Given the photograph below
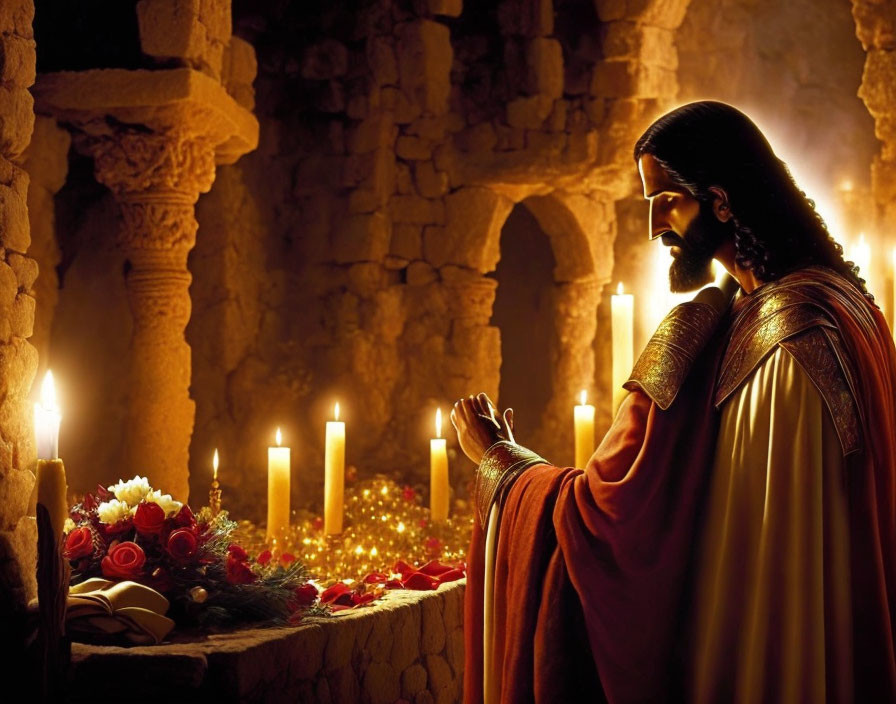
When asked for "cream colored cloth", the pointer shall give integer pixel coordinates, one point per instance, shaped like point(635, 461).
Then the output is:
point(97, 609)
point(773, 618)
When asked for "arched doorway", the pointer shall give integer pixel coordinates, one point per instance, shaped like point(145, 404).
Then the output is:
point(524, 313)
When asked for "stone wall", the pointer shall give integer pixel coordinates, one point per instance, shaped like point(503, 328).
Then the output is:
point(352, 256)
point(18, 359)
point(352, 251)
point(876, 30)
point(409, 648)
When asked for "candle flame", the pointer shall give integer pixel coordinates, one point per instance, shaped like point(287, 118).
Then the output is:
point(438, 422)
point(846, 185)
point(215, 463)
point(336, 411)
point(279, 437)
point(48, 393)
point(583, 397)
point(620, 289)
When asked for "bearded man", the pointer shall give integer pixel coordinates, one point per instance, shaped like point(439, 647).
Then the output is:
point(733, 537)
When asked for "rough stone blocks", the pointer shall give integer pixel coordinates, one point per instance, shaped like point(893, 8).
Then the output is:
point(362, 238)
point(424, 63)
point(544, 67)
point(193, 30)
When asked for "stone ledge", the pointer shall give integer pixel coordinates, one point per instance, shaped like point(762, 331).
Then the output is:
point(409, 646)
point(161, 100)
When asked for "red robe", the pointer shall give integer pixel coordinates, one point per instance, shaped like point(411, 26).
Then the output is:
point(594, 567)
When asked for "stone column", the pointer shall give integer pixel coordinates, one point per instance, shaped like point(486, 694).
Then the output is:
point(157, 179)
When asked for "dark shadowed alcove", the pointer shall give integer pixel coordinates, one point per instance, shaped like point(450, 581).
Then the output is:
point(523, 312)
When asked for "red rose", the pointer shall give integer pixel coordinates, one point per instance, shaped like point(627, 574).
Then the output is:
point(78, 543)
point(123, 526)
point(304, 596)
point(287, 559)
point(408, 493)
point(185, 518)
point(263, 557)
point(182, 544)
point(149, 518)
point(124, 561)
point(238, 572)
point(236, 552)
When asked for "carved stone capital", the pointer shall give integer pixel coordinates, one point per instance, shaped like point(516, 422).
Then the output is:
point(174, 165)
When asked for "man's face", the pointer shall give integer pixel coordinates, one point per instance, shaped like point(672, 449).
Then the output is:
point(688, 227)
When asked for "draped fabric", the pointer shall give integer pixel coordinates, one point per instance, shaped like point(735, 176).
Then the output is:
point(773, 613)
point(591, 565)
point(596, 570)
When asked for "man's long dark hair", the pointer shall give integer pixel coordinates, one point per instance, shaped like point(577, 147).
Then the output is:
point(776, 227)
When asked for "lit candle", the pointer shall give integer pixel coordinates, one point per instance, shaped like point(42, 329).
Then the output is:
point(622, 310)
point(438, 473)
point(214, 495)
point(51, 484)
point(46, 420)
point(278, 489)
point(583, 414)
point(334, 474)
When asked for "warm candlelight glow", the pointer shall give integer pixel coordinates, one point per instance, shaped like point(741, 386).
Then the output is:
point(622, 328)
point(215, 465)
point(620, 289)
point(583, 420)
point(278, 488)
point(48, 393)
point(334, 474)
point(47, 418)
point(439, 487)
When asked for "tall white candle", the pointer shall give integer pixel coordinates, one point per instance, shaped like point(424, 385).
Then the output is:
point(439, 487)
point(334, 474)
point(583, 416)
point(278, 489)
point(52, 489)
point(622, 314)
point(47, 418)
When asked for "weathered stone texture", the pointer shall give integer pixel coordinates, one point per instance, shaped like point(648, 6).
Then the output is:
point(18, 359)
point(195, 31)
point(370, 656)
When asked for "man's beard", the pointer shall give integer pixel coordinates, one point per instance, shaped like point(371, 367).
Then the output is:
point(692, 268)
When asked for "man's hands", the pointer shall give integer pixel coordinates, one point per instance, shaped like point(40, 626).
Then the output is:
point(478, 426)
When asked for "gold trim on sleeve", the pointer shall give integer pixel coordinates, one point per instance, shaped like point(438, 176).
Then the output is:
point(501, 464)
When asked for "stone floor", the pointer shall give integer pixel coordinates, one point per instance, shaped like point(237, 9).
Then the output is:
point(408, 647)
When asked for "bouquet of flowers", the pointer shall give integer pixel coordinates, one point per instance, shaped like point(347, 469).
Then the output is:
point(130, 531)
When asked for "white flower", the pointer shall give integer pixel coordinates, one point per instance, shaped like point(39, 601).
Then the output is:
point(169, 505)
point(68, 526)
point(113, 511)
point(131, 492)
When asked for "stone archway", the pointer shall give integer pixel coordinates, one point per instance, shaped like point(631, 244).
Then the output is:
point(560, 314)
